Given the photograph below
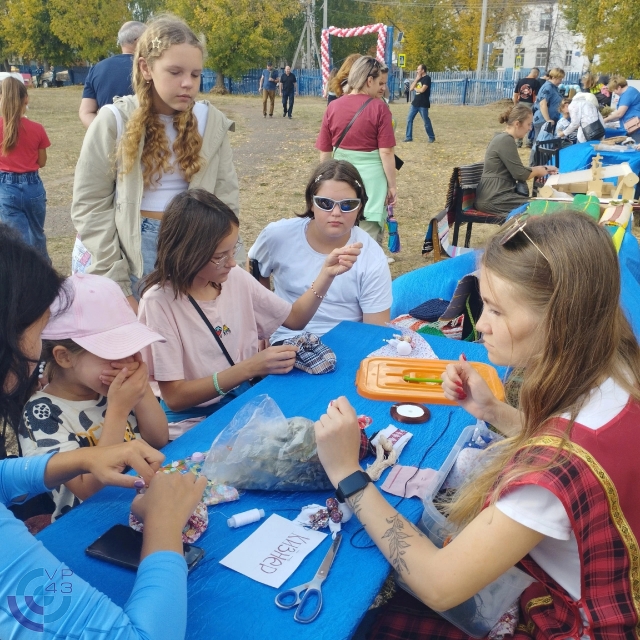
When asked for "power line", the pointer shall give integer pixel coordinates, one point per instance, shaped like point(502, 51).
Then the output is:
point(436, 5)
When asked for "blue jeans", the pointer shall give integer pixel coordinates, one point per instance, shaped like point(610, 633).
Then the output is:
point(288, 97)
point(149, 232)
point(424, 112)
point(23, 206)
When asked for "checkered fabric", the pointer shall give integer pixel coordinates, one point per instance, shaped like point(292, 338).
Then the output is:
point(546, 610)
point(313, 356)
point(605, 554)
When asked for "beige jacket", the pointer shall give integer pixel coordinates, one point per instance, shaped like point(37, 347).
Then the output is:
point(106, 211)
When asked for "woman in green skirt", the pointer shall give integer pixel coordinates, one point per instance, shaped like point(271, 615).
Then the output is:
point(369, 140)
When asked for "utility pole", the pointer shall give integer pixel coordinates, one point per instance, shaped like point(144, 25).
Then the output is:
point(483, 26)
point(325, 11)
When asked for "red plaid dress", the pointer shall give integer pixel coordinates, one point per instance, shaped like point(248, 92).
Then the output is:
point(598, 483)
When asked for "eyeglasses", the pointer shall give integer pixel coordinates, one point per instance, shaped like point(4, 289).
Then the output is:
point(327, 204)
point(220, 262)
point(518, 226)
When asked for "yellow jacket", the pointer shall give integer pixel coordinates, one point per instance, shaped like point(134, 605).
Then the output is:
point(106, 207)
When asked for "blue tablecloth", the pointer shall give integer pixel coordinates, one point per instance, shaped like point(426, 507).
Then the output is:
point(226, 605)
point(579, 156)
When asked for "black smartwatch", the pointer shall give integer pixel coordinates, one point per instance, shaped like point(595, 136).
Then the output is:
point(352, 484)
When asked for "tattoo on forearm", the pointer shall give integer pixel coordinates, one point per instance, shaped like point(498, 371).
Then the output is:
point(397, 538)
point(354, 502)
point(413, 526)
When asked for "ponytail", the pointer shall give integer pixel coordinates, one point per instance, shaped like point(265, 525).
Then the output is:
point(14, 94)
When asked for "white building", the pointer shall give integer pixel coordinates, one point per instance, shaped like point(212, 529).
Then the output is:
point(540, 38)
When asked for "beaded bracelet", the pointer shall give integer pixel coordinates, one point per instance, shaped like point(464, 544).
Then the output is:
point(317, 295)
point(217, 386)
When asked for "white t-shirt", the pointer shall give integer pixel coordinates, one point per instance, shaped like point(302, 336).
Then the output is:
point(282, 249)
point(157, 196)
point(539, 509)
point(50, 423)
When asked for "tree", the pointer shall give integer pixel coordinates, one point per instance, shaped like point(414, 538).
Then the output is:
point(26, 27)
point(430, 33)
point(88, 27)
point(595, 20)
point(241, 34)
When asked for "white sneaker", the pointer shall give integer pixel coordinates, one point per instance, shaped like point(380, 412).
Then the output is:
point(390, 260)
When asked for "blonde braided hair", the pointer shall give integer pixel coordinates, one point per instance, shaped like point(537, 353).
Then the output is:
point(161, 33)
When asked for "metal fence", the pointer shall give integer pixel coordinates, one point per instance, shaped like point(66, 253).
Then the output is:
point(448, 87)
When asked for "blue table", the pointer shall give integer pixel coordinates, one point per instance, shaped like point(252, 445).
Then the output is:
point(226, 605)
point(579, 156)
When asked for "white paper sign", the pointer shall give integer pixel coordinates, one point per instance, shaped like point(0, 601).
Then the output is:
point(273, 551)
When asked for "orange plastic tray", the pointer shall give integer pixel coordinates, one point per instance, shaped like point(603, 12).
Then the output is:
point(382, 379)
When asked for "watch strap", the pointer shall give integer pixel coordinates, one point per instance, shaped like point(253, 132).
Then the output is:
point(353, 483)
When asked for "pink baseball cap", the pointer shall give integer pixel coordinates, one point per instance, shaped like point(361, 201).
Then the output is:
point(99, 319)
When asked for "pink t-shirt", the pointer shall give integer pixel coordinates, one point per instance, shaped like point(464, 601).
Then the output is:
point(373, 128)
point(242, 314)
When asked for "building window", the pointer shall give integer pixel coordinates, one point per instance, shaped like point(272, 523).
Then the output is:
point(523, 23)
point(545, 21)
point(541, 57)
point(498, 58)
point(568, 57)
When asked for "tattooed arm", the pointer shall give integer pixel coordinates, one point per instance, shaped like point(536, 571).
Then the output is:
point(441, 578)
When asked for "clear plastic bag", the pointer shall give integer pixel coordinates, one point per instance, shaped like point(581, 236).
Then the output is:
point(261, 449)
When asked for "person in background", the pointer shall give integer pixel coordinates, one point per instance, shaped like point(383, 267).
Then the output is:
point(143, 150)
point(503, 169)
point(98, 391)
point(157, 607)
point(565, 122)
point(628, 104)
point(331, 96)
point(526, 92)
point(583, 111)
point(421, 104)
point(369, 143)
point(338, 84)
point(268, 85)
point(288, 90)
point(293, 251)
point(547, 103)
point(23, 152)
point(111, 77)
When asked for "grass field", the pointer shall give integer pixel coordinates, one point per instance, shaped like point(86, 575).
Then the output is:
point(273, 158)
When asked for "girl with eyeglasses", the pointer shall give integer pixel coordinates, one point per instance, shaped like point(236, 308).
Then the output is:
point(293, 250)
point(368, 144)
point(213, 314)
point(559, 495)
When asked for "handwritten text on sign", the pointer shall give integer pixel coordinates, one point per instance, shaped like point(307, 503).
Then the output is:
point(273, 551)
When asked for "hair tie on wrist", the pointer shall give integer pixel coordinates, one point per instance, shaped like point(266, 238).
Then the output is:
point(217, 386)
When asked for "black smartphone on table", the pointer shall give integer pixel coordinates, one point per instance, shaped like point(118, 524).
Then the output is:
point(122, 545)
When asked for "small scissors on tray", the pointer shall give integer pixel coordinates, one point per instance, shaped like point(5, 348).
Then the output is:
point(312, 590)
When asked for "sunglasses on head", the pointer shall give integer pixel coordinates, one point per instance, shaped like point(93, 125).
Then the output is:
point(327, 204)
point(517, 227)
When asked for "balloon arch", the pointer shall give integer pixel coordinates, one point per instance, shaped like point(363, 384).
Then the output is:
point(383, 47)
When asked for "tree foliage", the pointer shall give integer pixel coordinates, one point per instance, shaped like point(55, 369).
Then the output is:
point(88, 27)
point(26, 30)
point(610, 30)
point(241, 34)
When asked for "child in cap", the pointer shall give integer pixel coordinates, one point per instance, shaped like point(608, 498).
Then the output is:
point(98, 390)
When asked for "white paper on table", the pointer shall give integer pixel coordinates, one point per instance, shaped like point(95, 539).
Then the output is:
point(273, 551)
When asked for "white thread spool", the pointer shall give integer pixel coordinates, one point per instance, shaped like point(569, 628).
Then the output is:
point(246, 517)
